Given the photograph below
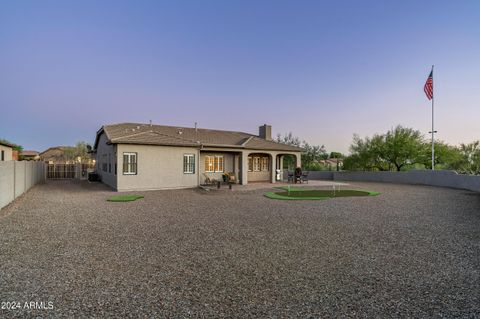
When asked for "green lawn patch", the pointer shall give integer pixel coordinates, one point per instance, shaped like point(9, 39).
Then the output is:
point(316, 194)
point(124, 198)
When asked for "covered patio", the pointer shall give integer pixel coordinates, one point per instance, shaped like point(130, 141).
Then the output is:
point(247, 166)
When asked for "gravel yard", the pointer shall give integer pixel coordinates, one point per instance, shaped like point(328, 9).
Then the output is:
point(413, 251)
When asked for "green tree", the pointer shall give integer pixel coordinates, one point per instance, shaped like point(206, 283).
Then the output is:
point(403, 146)
point(446, 156)
point(80, 150)
point(367, 154)
point(469, 159)
point(398, 148)
point(15, 147)
point(289, 139)
point(311, 155)
point(336, 155)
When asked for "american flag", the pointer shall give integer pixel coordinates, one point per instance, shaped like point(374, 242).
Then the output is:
point(428, 88)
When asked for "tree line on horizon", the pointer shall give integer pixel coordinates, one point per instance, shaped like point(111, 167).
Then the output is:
point(403, 148)
point(311, 156)
point(399, 149)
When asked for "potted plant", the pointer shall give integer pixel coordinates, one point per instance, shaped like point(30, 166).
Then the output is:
point(225, 177)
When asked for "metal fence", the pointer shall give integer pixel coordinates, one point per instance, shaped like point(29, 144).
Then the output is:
point(69, 171)
point(61, 171)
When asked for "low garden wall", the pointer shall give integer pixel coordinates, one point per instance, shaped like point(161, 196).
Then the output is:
point(18, 177)
point(328, 175)
point(421, 177)
point(440, 178)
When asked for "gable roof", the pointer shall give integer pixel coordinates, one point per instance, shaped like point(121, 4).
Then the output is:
point(54, 148)
point(6, 144)
point(146, 134)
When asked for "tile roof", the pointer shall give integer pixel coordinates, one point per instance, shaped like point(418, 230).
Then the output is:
point(134, 133)
point(29, 153)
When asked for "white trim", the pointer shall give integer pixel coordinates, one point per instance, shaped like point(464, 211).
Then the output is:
point(189, 163)
point(257, 167)
point(223, 164)
point(215, 165)
point(123, 163)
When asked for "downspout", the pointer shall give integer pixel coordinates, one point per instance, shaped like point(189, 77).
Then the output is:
point(198, 165)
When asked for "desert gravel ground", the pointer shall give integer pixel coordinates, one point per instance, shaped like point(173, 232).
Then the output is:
point(413, 251)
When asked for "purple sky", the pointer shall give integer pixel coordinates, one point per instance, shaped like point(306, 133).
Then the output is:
point(320, 69)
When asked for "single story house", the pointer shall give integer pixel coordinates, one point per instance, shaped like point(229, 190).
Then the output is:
point(55, 155)
point(6, 151)
point(29, 156)
point(63, 155)
point(332, 163)
point(131, 156)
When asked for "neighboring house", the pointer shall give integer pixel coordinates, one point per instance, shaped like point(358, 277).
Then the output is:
point(55, 155)
point(29, 156)
point(63, 155)
point(132, 156)
point(332, 163)
point(6, 151)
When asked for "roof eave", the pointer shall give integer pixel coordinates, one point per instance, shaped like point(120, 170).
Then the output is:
point(154, 144)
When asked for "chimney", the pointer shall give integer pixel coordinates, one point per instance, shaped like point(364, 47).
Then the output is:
point(265, 132)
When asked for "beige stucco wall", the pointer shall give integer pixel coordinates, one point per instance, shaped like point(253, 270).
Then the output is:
point(161, 167)
point(265, 176)
point(229, 165)
point(108, 178)
point(8, 152)
point(158, 167)
point(260, 176)
point(241, 163)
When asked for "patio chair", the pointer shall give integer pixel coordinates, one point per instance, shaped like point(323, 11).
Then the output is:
point(291, 177)
point(305, 177)
point(208, 180)
point(232, 179)
point(298, 175)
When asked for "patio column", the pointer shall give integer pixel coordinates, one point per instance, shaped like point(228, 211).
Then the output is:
point(237, 166)
point(273, 166)
point(298, 161)
point(280, 165)
point(244, 168)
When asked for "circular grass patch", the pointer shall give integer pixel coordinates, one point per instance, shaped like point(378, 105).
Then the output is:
point(317, 194)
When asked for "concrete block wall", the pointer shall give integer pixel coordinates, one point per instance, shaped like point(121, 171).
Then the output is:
point(441, 178)
point(7, 180)
point(18, 177)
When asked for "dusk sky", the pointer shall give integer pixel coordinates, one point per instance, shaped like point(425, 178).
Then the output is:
point(322, 70)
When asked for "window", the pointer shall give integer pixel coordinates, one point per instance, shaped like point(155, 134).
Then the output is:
point(256, 164)
point(129, 163)
point(104, 162)
point(209, 164)
point(219, 164)
point(214, 163)
point(3, 155)
point(109, 163)
point(265, 164)
point(250, 164)
point(189, 164)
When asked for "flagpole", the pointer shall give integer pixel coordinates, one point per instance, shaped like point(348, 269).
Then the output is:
point(433, 128)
